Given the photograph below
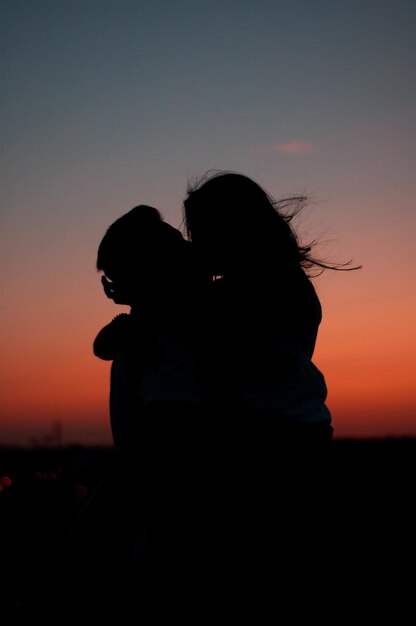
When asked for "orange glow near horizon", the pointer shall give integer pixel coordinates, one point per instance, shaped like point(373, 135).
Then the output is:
point(370, 383)
point(366, 350)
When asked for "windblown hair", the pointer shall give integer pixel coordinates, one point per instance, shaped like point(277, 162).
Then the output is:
point(232, 208)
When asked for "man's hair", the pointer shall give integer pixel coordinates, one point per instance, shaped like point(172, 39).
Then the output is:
point(139, 237)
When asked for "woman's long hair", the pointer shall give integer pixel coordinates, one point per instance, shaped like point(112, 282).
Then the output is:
point(231, 213)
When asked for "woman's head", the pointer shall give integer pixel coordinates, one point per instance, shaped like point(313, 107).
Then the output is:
point(238, 229)
point(235, 226)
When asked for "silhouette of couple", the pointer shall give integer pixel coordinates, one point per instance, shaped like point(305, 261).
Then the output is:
point(222, 327)
point(218, 413)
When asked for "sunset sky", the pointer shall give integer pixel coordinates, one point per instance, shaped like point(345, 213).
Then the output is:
point(111, 103)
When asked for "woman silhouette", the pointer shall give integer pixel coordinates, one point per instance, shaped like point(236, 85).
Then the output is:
point(261, 310)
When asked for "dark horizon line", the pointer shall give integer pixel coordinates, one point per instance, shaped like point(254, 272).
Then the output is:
point(74, 444)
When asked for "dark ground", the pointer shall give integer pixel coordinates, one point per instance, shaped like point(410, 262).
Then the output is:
point(367, 528)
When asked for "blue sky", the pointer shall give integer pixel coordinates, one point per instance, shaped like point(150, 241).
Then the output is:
point(144, 94)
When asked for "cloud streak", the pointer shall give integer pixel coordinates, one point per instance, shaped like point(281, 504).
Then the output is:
point(294, 148)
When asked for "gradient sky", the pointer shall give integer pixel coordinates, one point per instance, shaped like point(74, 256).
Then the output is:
point(107, 104)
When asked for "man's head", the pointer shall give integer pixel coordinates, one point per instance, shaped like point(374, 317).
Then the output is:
point(141, 256)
